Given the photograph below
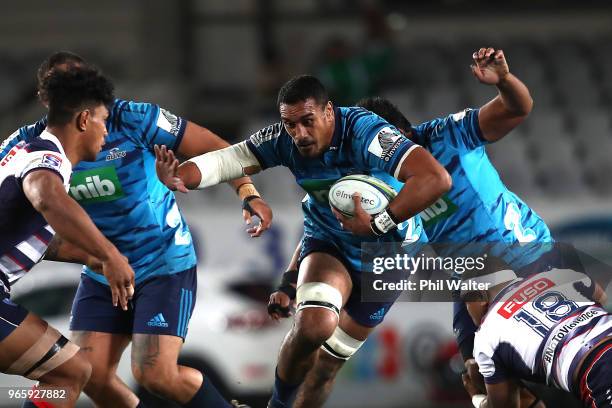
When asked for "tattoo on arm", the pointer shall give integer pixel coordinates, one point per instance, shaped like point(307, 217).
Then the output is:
point(53, 249)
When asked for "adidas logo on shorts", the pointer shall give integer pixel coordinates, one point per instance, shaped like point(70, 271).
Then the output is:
point(158, 321)
point(378, 315)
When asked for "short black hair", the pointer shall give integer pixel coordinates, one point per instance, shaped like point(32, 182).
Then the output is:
point(386, 110)
point(57, 58)
point(73, 90)
point(300, 88)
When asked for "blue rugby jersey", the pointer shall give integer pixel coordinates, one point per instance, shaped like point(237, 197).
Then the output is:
point(362, 143)
point(479, 207)
point(122, 194)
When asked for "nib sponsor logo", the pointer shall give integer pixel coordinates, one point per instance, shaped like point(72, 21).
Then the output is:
point(97, 185)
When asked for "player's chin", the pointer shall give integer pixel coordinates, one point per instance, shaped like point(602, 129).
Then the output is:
point(309, 151)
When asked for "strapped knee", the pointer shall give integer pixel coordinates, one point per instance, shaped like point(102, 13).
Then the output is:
point(318, 294)
point(49, 352)
point(341, 346)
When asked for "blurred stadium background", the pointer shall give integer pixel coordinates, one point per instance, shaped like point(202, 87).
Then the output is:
point(220, 63)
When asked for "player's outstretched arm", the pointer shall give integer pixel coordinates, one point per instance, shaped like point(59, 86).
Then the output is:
point(48, 196)
point(198, 140)
point(213, 168)
point(283, 298)
point(513, 103)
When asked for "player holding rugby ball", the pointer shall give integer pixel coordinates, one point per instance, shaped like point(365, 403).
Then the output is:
point(320, 144)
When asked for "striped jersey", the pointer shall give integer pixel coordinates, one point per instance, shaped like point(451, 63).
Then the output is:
point(25, 234)
point(122, 194)
point(362, 143)
point(479, 207)
point(539, 329)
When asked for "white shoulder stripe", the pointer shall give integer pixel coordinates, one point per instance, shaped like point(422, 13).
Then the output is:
point(401, 161)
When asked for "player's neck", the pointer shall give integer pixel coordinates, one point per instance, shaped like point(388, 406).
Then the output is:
point(332, 129)
point(68, 139)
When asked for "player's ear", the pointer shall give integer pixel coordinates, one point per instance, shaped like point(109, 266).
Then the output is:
point(329, 110)
point(81, 120)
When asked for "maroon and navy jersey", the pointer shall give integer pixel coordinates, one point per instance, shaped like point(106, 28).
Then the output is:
point(25, 234)
point(540, 328)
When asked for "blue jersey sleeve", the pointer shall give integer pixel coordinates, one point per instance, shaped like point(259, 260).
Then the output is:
point(24, 133)
point(270, 146)
point(152, 124)
point(377, 144)
point(460, 130)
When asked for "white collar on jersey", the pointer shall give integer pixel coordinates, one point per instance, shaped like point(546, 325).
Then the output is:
point(52, 138)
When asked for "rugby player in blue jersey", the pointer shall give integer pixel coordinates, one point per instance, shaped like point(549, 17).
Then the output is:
point(478, 208)
point(34, 205)
point(121, 193)
point(320, 143)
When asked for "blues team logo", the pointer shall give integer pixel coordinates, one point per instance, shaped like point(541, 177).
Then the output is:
point(386, 143)
point(169, 122)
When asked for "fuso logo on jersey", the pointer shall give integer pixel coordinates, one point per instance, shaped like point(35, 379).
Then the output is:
point(524, 295)
point(438, 211)
point(96, 185)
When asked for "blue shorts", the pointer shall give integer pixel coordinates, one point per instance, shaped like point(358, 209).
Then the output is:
point(161, 305)
point(369, 314)
point(11, 315)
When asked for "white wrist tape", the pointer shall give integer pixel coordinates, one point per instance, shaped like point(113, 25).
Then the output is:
point(384, 222)
point(478, 399)
point(224, 165)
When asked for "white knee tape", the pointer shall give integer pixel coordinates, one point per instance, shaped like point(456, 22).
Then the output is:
point(341, 345)
point(318, 294)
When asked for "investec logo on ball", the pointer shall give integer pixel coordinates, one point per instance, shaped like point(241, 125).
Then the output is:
point(366, 202)
point(96, 185)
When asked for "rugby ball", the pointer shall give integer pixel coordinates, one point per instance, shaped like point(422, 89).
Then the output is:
point(375, 194)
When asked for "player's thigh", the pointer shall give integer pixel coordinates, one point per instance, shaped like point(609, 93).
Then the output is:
point(327, 268)
point(162, 312)
point(154, 355)
point(35, 349)
point(102, 350)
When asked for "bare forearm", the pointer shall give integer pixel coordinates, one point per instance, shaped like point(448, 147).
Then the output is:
point(197, 141)
point(293, 264)
point(419, 193)
point(62, 251)
point(514, 96)
point(71, 222)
